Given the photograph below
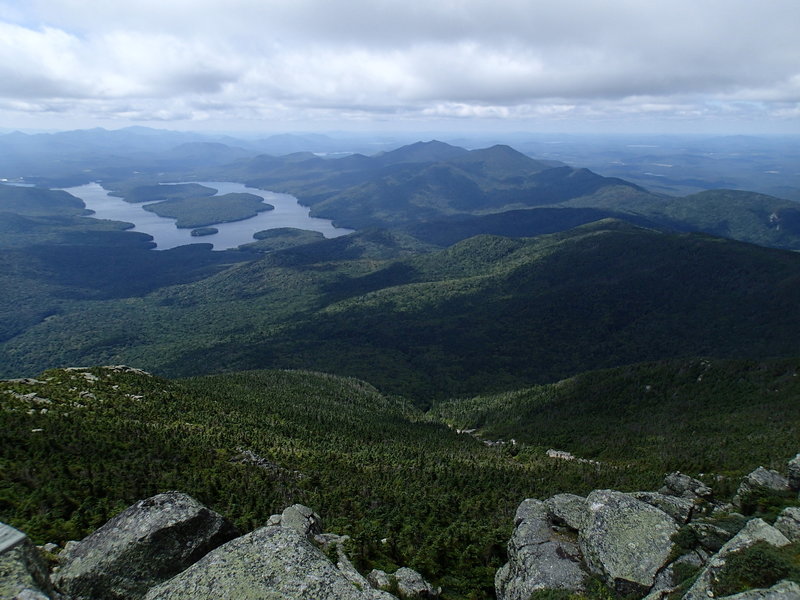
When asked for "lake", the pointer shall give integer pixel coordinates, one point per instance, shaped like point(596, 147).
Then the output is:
point(288, 213)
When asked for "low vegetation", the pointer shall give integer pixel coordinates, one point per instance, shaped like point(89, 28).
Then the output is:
point(83, 444)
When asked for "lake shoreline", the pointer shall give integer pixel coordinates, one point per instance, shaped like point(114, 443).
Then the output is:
point(287, 212)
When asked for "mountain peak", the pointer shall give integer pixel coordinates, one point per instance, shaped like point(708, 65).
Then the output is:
point(432, 151)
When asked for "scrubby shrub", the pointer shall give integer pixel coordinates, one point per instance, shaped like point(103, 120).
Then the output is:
point(759, 566)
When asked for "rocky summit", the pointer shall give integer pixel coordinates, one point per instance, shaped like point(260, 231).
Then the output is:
point(677, 543)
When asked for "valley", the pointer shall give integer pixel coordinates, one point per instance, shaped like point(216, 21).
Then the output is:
point(329, 351)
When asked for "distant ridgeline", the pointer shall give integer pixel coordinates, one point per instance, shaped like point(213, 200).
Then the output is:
point(487, 314)
point(508, 314)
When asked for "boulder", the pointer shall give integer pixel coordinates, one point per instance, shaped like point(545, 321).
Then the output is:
point(683, 486)
point(346, 568)
point(23, 572)
point(793, 472)
point(676, 507)
point(146, 544)
point(756, 530)
point(536, 558)
point(761, 480)
point(626, 541)
point(788, 523)
point(709, 536)
point(412, 586)
point(271, 563)
point(380, 580)
point(569, 509)
point(303, 519)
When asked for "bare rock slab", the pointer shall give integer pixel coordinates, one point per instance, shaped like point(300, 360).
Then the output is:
point(537, 559)
point(271, 563)
point(144, 545)
point(23, 572)
point(626, 541)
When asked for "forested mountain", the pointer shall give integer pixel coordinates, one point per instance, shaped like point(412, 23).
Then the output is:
point(79, 445)
point(488, 313)
point(483, 290)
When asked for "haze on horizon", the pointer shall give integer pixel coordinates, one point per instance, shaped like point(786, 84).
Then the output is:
point(584, 66)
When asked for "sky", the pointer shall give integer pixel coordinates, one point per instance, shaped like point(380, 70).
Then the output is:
point(707, 66)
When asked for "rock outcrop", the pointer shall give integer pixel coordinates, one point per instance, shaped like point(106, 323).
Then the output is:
point(538, 559)
point(144, 545)
point(683, 486)
point(793, 473)
point(270, 563)
point(785, 590)
point(626, 541)
point(673, 543)
point(23, 572)
point(788, 523)
point(171, 547)
point(300, 518)
point(755, 531)
point(761, 480)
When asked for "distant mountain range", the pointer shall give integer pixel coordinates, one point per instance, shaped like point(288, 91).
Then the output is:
point(484, 290)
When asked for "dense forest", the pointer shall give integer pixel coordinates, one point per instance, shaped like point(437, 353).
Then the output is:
point(535, 305)
point(79, 445)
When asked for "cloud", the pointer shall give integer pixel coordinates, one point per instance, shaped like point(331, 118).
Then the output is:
point(469, 59)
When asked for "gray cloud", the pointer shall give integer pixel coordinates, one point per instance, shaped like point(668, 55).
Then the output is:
point(209, 60)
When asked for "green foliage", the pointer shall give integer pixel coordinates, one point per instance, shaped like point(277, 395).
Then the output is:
point(758, 566)
point(683, 541)
point(202, 211)
point(152, 193)
point(281, 238)
point(696, 416)
point(80, 445)
point(38, 202)
point(767, 504)
point(488, 314)
point(201, 231)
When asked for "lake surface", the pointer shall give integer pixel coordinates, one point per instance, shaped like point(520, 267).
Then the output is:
point(288, 213)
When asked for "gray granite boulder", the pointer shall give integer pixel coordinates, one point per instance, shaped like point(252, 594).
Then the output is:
point(146, 544)
point(761, 480)
point(626, 541)
point(23, 572)
point(411, 585)
point(569, 509)
point(683, 486)
point(271, 563)
point(380, 580)
point(793, 473)
point(788, 523)
point(756, 530)
point(537, 559)
point(302, 519)
point(710, 536)
point(678, 508)
point(345, 566)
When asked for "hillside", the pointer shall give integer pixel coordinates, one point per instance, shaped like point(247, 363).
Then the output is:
point(78, 445)
point(487, 314)
point(697, 415)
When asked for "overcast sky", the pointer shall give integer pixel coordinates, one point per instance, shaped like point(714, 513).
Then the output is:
point(282, 65)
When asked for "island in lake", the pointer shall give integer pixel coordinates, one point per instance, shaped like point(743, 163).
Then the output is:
point(198, 212)
point(172, 191)
point(201, 231)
